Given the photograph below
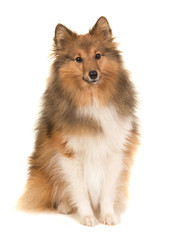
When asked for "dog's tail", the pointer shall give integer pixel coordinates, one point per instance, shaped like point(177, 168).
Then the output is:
point(37, 194)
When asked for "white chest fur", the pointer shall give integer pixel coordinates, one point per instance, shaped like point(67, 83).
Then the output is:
point(99, 157)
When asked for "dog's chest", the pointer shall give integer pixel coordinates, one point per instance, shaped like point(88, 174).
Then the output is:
point(115, 131)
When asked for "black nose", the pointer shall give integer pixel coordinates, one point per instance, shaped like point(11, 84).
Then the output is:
point(93, 75)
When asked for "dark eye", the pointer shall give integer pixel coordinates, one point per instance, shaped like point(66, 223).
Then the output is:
point(98, 56)
point(78, 59)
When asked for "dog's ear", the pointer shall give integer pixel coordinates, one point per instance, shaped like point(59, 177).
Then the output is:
point(102, 29)
point(63, 35)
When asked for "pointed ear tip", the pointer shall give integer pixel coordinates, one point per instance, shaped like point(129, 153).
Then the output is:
point(60, 30)
point(58, 26)
point(102, 18)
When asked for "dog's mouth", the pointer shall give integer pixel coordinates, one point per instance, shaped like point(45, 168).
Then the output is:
point(92, 81)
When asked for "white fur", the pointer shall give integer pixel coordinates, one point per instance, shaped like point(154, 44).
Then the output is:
point(98, 162)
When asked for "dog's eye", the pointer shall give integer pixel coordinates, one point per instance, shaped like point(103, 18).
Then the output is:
point(78, 59)
point(98, 56)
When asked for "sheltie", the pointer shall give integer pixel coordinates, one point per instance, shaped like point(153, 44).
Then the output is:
point(87, 133)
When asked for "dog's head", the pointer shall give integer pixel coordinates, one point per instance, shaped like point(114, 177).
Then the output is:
point(89, 61)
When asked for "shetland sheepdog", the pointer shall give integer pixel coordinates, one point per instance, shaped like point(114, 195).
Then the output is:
point(87, 132)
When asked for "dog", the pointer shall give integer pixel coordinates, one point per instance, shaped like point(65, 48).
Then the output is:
point(87, 132)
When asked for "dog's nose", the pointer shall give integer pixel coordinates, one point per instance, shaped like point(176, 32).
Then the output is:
point(93, 75)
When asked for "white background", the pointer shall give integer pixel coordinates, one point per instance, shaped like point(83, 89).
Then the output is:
point(148, 33)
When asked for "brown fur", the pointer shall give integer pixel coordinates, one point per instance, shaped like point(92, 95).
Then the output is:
point(66, 91)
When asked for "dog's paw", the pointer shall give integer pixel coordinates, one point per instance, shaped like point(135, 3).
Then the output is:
point(64, 208)
point(109, 219)
point(89, 220)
